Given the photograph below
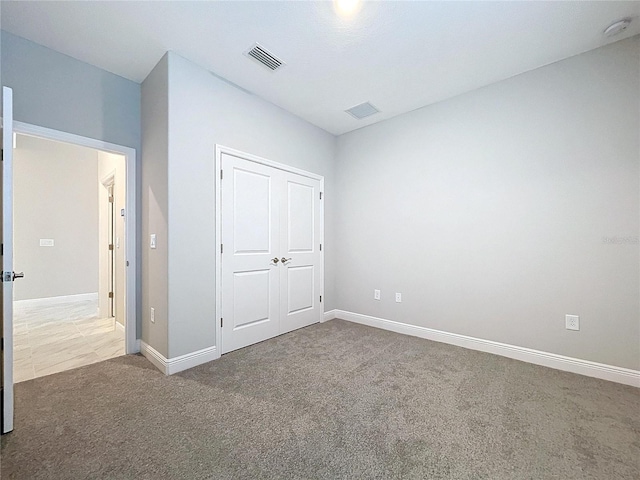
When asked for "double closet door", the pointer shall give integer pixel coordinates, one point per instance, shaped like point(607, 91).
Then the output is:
point(271, 251)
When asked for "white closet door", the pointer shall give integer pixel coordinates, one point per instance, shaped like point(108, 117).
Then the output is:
point(300, 272)
point(251, 244)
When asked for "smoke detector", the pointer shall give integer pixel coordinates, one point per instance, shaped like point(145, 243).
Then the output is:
point(264, 57)
point(362, 111)
point(617, 27)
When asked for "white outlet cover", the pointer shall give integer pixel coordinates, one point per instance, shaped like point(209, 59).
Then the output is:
point(153, 315)
point(398, 297)
point(152, 241)
point(46, 242)
point(572, 322)
point(376, 294)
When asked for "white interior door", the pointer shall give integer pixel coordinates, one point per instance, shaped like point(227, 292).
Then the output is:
point(300, 272)
point(271, 260)
point(7, 260)
point(250, 248)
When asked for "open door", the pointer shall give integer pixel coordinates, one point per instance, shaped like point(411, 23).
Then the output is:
point(7, 260)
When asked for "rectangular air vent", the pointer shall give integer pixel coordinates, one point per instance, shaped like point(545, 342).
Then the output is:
point(363, 110)
point(264, 57)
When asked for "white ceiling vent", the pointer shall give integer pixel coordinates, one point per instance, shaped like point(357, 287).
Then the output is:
point(363, 110)
point(264, 57)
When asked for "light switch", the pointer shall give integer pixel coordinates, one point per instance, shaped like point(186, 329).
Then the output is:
point(152, 242)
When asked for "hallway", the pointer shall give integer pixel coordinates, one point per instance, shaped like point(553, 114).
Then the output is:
point(51, 337)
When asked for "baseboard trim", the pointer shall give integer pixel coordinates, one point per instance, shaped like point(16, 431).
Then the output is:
point(559, 362)
point(156, 358)
point(119, 326)
point(190, 360)
point(330, 315)
point(81, 297)
point(169, 366)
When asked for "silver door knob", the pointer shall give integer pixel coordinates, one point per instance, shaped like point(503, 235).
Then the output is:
point(275, 260)
point(18, 275)
point(284, 260)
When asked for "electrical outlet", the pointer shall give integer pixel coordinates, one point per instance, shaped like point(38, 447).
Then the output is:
point(398, 297)
point(153, 315)
point(572, 322)
point(376, 294)
point(152, 240)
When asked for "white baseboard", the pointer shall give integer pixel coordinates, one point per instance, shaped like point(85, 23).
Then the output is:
point(119, 326)
point(169, 366)
point(34, 302)
point(546, 359)
point(330, 315)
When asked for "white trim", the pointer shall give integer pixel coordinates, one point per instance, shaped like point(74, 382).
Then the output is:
point(155, 357)
point(34, 302)
point(131, 336)
point(169, 366)
point(119, 326)
point(559, 362)
point(218, 151)
point(190, 360)
point(330, 315)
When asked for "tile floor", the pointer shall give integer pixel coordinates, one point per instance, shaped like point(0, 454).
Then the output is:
point(52, 337)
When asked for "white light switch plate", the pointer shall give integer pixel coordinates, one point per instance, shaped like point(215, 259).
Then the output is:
point(152, 241)
point(46, 242)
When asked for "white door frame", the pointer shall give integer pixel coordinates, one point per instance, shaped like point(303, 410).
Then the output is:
point(219, 151)
point(132, 344)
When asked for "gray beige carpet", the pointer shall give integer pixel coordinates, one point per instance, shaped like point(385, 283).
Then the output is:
point(331, 401)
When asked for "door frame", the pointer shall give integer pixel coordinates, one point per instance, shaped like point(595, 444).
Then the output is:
point(217, 174)
point(132, 344)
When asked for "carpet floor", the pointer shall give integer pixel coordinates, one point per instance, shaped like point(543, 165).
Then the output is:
point(334, 400)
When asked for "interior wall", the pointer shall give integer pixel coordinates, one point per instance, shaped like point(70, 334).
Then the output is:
point(499, 211)
point(56, 91)
point(55, 197)
point(155, 268)
point(110, 164)
point(203, 111)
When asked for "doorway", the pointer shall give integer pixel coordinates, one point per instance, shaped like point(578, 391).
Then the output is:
point(67, 241)
point(270, 260)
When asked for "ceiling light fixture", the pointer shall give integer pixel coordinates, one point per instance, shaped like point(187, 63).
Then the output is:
point(347, 8)
point(617, 27)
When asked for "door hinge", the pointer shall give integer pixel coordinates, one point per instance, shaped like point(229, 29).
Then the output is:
point(221, 174)
point(110, 294)
point(320, 247)
point(2, 344)
point(320, 195)
point(2, 249)
point(321, 298)
point(220, 322)
point(111, 246)
point(111, 199)
point(221, 248)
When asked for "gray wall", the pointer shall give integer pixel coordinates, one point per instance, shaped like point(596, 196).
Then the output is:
point(155, 130)
point(55, 197)
point(56, 91)
point(204, 111)
point(490, 212)
point(59, 92)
